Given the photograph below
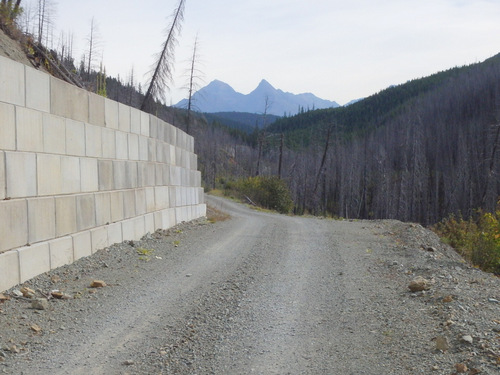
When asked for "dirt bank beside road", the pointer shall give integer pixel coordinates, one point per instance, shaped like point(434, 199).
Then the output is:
point(264, 294)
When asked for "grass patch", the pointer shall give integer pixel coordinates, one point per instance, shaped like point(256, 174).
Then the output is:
point(214, 215)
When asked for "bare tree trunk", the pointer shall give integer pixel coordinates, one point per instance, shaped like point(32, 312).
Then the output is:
point(281, 156)
point(163, 70)
point(192, 77)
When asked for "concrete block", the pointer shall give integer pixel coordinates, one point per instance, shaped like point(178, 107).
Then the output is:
point(41, 219)
point(149, 223)
point(115, 233)
point(150, 199)
point(172, 196)
point(121, 145)
point(7, 127)
point(128, 230)
point(61, 252)
point(178, 157)
point(132, 175)
point(166, 153)
point(133, 147)
point(49, 174)
point(119, 174)
point(2, 175)
point(89, 174)
point(9, 269)
point(152, 149)
point(146, 174)
point(160, 154)
point(99, 238)
point(159, 173)
point(172, 157)
point(171, 217)
point(68, 100)
point(179, 140)
point(108, 143)
point(145, 121)
point(175, 175)
point(166, 175)
point(96, 109)
point(135, 121)
point(34, 260)
point(117, 206)
point(171, 135)
point(75, 138)
point(129, 204)
point(124, 117)
point(201, 195)
point(29, 130)
point(106, 173)
point(65, 215)
point(93, 140)
point(143, 148)
point(82, 245)
point(54, 134)
point(186, 159)
point(184, 177)
point(85, 211)
point(102, 208)
point(37, 90)
point(111, 113)
point(20, 171)
point(158, 218)
point(140, 201)
point(153, 127)
point(70, 175)
point(194, 161)
point(161, 197)
point(178, 197)
point(161, 130)
point(14, 228)
point(12, 82)
point(197, 178)
point(190, 144)
point(180, 215)
point(139, 227)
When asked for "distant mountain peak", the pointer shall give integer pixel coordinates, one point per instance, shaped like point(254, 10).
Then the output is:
point(218, 96)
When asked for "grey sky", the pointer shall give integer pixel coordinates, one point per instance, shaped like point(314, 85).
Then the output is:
point(338, 50)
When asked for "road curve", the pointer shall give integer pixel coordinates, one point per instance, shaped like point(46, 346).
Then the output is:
point(258, 294)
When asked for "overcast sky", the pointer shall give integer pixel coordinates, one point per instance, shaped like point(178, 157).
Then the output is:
point(338, 50)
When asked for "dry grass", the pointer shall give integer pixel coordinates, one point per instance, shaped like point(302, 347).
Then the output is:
point(214, 215)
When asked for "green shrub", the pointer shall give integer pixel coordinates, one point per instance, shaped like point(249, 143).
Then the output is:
point(477, 240)
point(268, 192)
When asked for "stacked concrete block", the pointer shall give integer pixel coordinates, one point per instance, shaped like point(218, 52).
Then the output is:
point(2, 175)
point(79, 172)
point(8, 128)
point(37, 90)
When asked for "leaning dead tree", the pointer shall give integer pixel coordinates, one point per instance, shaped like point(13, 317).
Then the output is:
point(193, 74)
point(162, 70)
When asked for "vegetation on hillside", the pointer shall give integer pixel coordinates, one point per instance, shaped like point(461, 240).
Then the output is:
point(477, 238)
point(268, 192)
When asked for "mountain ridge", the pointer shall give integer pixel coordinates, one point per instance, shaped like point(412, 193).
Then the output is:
point(219, 96)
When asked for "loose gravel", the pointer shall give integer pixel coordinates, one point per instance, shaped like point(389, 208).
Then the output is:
point(263, 294)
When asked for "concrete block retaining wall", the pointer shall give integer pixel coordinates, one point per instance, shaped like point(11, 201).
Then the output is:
point(79, 172)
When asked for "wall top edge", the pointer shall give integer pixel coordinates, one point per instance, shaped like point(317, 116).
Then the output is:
point(6, 65)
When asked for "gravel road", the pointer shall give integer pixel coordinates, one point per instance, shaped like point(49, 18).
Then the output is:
point(260, 293)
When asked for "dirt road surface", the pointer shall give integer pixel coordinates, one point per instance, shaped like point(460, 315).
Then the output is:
point(260, 293)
